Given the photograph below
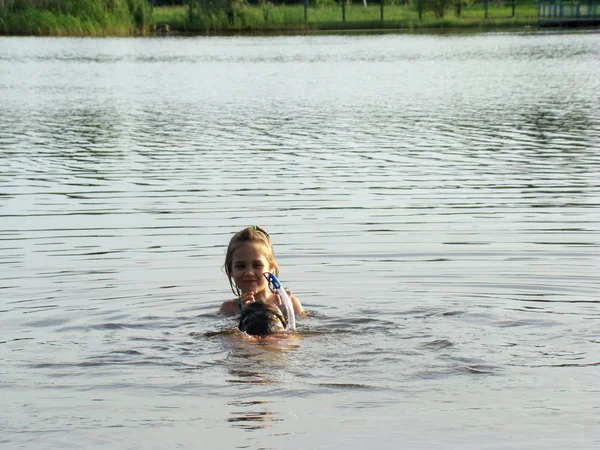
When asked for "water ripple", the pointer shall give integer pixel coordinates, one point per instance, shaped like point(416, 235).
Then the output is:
point(433, 200)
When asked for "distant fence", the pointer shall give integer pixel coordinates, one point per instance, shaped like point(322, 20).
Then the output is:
point(559, 12)
point(371, 14)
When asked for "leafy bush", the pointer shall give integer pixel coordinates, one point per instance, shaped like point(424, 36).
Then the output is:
point(438, 7)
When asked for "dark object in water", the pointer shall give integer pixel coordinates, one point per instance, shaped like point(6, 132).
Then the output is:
point(261, 318)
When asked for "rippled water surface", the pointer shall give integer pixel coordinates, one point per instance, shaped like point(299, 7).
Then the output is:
point(433, 200)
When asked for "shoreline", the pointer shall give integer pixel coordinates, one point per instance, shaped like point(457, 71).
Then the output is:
point(474, 29)
point(283, 20)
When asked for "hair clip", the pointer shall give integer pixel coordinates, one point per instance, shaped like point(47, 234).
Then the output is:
point(261, 230)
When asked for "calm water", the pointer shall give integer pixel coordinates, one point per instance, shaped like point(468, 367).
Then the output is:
point(434, 202)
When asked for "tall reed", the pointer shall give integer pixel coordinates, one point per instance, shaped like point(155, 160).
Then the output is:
point(75, 17)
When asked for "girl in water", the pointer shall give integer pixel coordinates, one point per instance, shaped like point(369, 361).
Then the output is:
point(249, 254)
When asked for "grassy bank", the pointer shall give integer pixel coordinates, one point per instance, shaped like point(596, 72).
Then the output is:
point(270, 18)
point(75, 17)
point(131, 17)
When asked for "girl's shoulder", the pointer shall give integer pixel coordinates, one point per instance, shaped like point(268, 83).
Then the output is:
point(230, 307)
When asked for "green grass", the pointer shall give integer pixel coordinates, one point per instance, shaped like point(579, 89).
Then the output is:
point(46, 23)
point(291, 18)
point(129, 17)
point(170, 14)
point(75, 17)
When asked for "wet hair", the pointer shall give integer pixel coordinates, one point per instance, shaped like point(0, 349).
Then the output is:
point(256, 235)
point(261, 318)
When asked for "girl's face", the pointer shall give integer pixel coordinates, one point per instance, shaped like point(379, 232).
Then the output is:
point(247, 267)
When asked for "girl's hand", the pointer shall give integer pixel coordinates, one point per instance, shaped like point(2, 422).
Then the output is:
point(248, 298)
point(280, 300)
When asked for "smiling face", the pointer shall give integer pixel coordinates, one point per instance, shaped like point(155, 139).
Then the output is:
point(247, 267)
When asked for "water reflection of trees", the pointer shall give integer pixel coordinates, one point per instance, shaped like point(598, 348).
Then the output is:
point(553, 129)
point(91, 130)
point(558, 117)
point(72, 132)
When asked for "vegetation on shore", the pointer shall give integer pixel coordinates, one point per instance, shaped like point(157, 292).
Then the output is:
point(329, 15)
point(75, 17)
point(130, 17)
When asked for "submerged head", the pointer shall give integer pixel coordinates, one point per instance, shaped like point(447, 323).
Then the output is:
point(261, 318)
point(249, 254)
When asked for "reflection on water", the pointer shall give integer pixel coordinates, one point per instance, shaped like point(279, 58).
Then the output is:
point(252, 419)
point(433, 201)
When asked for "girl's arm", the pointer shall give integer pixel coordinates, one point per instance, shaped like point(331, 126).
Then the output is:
point(234, 306)
point(298, 309)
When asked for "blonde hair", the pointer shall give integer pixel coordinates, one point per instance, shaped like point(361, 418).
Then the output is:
point(254, 234)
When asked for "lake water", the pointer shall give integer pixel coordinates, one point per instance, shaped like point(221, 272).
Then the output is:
point(433, 201)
